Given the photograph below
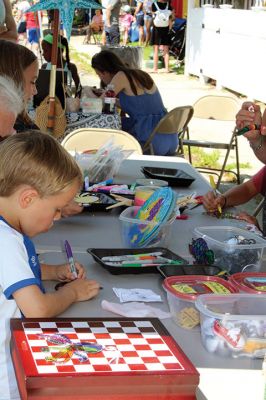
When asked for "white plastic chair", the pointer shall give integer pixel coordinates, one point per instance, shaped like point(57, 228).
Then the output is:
point(92, 138)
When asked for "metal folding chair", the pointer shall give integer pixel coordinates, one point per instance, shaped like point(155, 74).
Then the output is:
point(174, 122)
point(92, 138)
point(218, 109)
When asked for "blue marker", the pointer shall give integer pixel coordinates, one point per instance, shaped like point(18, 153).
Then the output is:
point(70, 259)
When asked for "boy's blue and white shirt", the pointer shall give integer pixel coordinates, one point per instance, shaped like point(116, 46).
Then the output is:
point(19, 268)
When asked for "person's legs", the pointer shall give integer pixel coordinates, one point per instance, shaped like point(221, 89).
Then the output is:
point(103, 36)
point(155, 57)
point(148, 22)
point(140, 25)
point(33, 39)
point(125, 40)
point(141, 35)
point(166, 57)
point(114, 35)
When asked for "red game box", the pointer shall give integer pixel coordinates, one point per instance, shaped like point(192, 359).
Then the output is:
point(99, 359)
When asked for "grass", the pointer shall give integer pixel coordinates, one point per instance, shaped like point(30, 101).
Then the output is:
point(203, 159)
point(82, 61)
point(211, 159)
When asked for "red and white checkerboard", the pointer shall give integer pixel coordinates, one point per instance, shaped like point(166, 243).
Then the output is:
point(128, 345)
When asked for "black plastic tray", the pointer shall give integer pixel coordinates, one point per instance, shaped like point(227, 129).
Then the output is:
point(175, 177)
point(190, 269)
point(97, 254)
point(104, 201)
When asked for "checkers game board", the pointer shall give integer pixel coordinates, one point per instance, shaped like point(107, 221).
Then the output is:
point(105, 359)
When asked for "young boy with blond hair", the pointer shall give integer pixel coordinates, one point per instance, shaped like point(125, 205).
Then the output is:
point(37, 179)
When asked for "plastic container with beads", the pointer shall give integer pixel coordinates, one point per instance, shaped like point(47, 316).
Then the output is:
point(235, 249)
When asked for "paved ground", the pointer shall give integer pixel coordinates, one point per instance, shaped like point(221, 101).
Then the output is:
point(178, 90)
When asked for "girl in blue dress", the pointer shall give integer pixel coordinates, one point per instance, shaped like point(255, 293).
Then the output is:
point(139, 98)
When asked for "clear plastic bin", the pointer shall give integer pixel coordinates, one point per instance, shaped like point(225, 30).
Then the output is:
point(182, 292)
point(249, 282)
point(231, 256)
point(233, 325)
point(138, 233)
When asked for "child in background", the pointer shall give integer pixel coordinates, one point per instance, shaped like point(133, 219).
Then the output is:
point(62, 63)
point(126, 22)
point(37, 179)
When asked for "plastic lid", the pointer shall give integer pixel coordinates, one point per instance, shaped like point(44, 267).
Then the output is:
point(219, 236)
point(234, 307)
point(189, 287)
point(249, 282)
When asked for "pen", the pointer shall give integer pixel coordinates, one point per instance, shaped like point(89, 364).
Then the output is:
point(131, 256)
point(143, 263)
point(86, 183)
point(104, 183)
point(251, 127)
point(70, 259)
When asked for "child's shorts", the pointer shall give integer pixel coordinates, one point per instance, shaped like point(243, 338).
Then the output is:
point(33, 35)
point(148, 17)
point(140, 19)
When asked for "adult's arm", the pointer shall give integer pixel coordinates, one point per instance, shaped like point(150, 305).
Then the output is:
point(233, 197)
point(11, 28)
point(138, 8)
point(109, 8)
point(75, 76)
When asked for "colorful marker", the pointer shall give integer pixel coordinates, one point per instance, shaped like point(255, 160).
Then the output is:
point(251, 127)
point(70, 259)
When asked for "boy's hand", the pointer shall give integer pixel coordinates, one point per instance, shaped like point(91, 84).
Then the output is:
point(63, 272)
point(211, 202)
point(83, 289)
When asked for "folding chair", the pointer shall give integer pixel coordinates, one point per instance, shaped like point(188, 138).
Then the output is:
point(214, 115)
point(174, 122)
point(92, 138)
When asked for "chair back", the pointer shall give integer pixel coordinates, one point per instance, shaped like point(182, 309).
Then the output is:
point(92, 138)
point(223, 108)
point(174, 122)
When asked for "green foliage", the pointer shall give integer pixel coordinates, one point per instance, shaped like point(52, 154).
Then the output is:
point(232, 166)
point(82, 61)
point(203, 159)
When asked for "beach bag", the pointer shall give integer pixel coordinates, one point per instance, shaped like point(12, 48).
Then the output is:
point(161, 19)
point(41, 117)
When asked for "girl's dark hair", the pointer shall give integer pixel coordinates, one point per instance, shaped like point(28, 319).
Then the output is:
point(108, 61)
point(64, 42)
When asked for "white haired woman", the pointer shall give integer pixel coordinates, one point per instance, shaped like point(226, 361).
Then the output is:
point(11, 104)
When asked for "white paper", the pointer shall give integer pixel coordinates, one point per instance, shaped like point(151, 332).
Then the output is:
point(136, 294)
